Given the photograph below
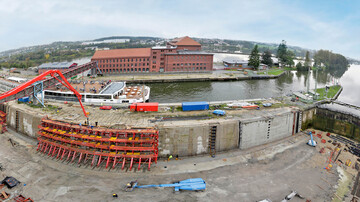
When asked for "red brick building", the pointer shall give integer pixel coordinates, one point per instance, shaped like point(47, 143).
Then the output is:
point(179, 55)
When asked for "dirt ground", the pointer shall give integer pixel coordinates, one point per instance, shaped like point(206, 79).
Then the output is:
point(269, 171)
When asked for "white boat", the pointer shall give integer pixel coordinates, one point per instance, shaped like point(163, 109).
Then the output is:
point(97, 92)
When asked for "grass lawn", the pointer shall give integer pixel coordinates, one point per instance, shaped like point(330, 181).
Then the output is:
point(331, 92)
point(274, 72)
point(289, 68)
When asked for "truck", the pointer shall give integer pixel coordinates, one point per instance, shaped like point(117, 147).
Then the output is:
point(144, 107)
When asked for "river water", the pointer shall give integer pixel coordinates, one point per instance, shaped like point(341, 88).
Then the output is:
point(249, 89)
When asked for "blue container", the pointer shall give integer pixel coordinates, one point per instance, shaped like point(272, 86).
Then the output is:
point(219, 112)
point(24, 99)
point(193, 106)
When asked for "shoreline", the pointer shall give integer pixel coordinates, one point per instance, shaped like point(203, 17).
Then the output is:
point(176, 80)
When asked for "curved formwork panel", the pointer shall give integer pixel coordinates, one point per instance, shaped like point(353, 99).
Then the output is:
point(96, 145)
point(2, 122)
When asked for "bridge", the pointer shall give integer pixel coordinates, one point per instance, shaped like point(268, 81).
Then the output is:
point(53, 80)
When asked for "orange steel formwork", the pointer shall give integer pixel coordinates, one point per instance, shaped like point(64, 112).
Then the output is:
point(98, 145)
point(2, 122)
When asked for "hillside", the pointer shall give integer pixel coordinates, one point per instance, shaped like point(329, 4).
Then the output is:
point(65, 51)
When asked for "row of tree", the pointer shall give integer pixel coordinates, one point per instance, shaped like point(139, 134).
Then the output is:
point(254, 58)
point(286, 59)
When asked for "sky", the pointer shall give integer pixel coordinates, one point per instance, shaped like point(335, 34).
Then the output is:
point(323, 24)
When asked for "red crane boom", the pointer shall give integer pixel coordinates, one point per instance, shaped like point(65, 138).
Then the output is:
point(41, 77)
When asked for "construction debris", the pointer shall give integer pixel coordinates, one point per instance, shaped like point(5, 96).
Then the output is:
point(10, 182)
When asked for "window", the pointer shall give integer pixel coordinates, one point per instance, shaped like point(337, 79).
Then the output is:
point(154, 57)
point(132, 60)
point(154, 53)
point(154, 62)
point(128, 60)
point(113, 65)
point(113, 60)
point(135, 64)
point(136, 60)
point(117, 60)
point(143, 69)
point(154, 66)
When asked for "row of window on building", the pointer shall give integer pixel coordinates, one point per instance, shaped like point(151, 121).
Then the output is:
point(125, 70)
point(124, 60)
point(188, 57)
point(188, 68)
point(124, 65)
point(188, 64)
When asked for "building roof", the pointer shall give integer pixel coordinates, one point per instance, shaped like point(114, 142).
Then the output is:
point(184, 41)
point(234, 61)
point(189, 53)
point(57, 65)
point(122, 53)
point(113, 88)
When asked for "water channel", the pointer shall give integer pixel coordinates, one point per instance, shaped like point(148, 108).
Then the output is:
point(248, 89)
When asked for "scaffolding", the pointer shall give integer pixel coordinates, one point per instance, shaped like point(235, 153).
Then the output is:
point(96, 145)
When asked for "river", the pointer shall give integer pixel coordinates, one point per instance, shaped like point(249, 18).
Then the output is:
point(248, 89)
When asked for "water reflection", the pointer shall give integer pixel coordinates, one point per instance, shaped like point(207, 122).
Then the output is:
point(289, 82)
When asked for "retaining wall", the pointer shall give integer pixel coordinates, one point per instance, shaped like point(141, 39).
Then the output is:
point(192, 138)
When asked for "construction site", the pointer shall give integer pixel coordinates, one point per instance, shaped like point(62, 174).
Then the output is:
point(59, 150)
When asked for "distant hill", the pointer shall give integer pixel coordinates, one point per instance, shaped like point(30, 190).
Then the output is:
point(69, 50)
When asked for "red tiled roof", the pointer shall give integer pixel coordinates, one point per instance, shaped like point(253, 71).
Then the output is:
point(184, 41)
point(122, 53)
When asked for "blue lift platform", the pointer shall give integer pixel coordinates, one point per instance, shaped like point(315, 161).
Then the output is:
point(193, 184)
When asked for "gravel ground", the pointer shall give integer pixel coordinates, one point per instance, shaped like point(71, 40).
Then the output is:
point(270, 171)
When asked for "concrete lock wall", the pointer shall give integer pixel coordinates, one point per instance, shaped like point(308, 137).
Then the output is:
point(194, 139)
point(23, 122)
point(262, 130)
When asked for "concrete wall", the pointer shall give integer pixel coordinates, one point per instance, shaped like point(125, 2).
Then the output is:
point(27, 124)
point(263, 130)
point(193, 139)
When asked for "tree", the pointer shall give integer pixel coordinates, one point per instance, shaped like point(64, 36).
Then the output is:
point(289, 58)
point(266, 58)
point(299, 66)
point(307, 63)
point(254, 58)
point(281, 53)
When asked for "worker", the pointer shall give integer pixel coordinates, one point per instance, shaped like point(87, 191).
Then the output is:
point(115, 195)
point(170, 157)
point(128, 185)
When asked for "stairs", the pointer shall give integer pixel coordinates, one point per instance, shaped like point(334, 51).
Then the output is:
point(212, 141)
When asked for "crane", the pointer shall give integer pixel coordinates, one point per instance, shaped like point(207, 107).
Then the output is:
point(40, 78)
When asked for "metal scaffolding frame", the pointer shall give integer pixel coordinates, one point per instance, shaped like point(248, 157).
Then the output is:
point(98, 145)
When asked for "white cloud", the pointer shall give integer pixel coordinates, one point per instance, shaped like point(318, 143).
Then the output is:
point(38, 21)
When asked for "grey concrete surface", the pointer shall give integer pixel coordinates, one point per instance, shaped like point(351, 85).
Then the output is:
point(268, 171)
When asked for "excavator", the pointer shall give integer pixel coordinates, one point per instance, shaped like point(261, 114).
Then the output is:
point(55, 74)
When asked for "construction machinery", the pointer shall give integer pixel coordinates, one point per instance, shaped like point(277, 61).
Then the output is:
point(192, 184)
point(53, 73)
point(311, 141)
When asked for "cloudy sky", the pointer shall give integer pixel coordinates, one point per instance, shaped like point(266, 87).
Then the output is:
point(322, 24)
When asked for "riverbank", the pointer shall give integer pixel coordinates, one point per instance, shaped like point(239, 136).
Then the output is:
point(188, 77)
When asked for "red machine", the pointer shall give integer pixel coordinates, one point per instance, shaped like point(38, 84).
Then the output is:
point(41, 77)
point(145, 107)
